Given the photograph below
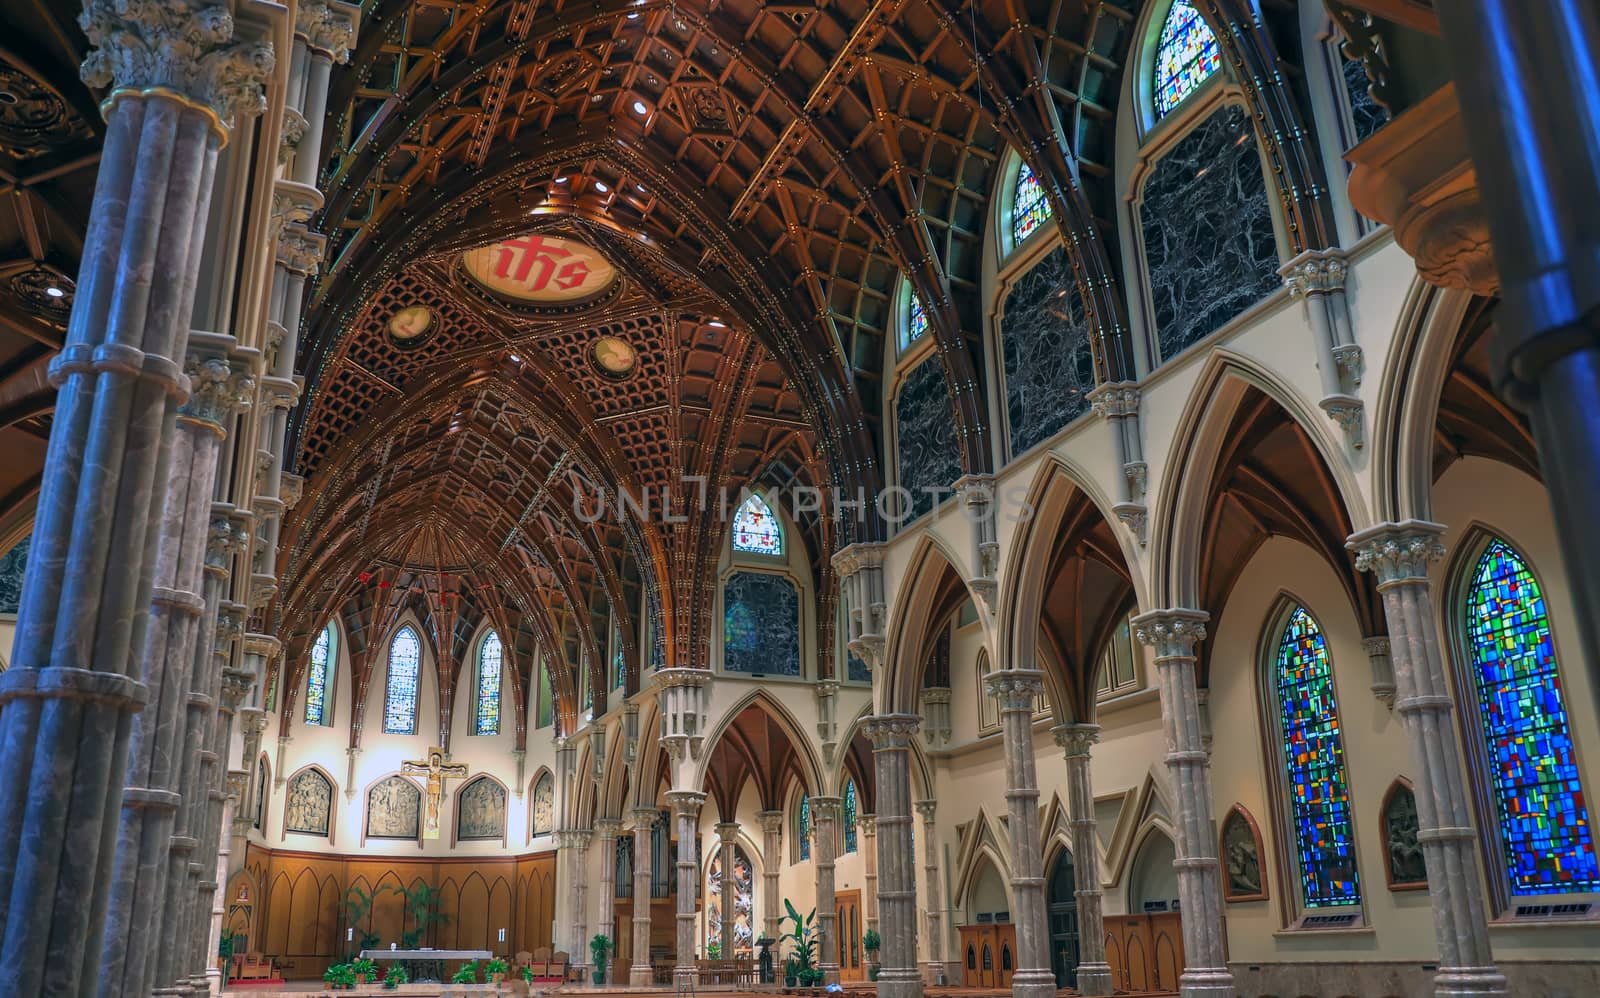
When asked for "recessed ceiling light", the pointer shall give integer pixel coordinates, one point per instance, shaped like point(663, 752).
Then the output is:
point(641, 188)
point(633, 16)
point(55, 292)
point(718, 324)
point(561, 180)
point(639, 107)
point(602, 188)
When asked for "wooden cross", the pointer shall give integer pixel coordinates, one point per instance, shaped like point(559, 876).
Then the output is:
point(437, 771)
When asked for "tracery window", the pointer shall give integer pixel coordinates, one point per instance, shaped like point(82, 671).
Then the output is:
point(1186, 55)
point(318, 677)
point(914, 320)
point(743, 903)
point(756, 529)
point(1533, 769)
point(850, 816)
point(400, 692)
point(1318, 786)
point(490, 657)
point(803, 828)
point(1029, 206)
point(546, 707)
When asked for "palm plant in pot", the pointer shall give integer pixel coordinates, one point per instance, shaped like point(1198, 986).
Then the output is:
point(871, 942)
point(803, 958)
point(600, 948)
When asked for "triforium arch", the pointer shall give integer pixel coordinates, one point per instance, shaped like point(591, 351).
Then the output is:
point(931, 590)
point(757, 740)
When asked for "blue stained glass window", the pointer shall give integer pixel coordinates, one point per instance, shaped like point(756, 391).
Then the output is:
point(804, 830)
point(916, 322)
point(490, 658)
point(1313, 750)
point(1029, 207)
point(850, 816)
point(1544, 823)
point(400, 694)
point(13, 566)
point(1186, 56)
point(756, 529)
point(317, 677)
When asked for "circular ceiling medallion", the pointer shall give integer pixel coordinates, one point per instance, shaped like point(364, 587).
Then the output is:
point(614, 356)
point(540, 270)
point(409, 325)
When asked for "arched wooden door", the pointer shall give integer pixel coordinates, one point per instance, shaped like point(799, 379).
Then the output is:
point(851, 966)
point(1062, 898)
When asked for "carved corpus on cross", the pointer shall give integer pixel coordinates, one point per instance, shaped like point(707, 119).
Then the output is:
point(437, 770)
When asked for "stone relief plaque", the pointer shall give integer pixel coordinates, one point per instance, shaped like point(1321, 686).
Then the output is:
point(394, 809)
point(308, 805)
point(481, 810)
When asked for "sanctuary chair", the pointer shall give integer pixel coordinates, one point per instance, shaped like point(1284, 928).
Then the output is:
point(522, 959)
point(558, 966)
point(253, 967)
point(540, 962)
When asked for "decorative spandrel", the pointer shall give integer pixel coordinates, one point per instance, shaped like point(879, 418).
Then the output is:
point(394, 809)
point(1186, 55)
point(308, 804)
point(756, 529)
point(540, 270)
point(481, 810)
point(761, 624)
point(1533, 767)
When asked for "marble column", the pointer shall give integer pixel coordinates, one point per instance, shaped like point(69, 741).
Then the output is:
point(175, 82)
point(1173, 634)
point(867, 827)
point(642, 975)
point(686, 813)
point(891, 736)
point(926, 810)
point(771, 868)
point(1017, 690)
point(575, 843)
point(727, 837)
point(824, 847)
point(1094, 974)
point(605, 833)
point(1398, 554)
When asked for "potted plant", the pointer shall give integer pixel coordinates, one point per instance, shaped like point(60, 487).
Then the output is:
point(468, 974)
point(713, 950)
point(805, 947)
point(527, 976)
point(600, 948)
point(494, 971)
point(358, 914)
point(422, 904)
point(791, 972)
point(395, 977)
point(871, 942)
point(339, 977)
point(225, 953)
point(365, 971)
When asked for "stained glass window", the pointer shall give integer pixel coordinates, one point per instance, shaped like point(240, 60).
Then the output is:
point(916, 321)
point(743, 903)
point(1186, 56)
point(1313, 750)
point(1544, 822)
point(400, 695)
point(619, 661)
point(318, 675)
point(489, 661)
point(545, 709)
point(13, 566)
point(1029, 207)
point(850, 816)
point(756, 529)
point(804, 827)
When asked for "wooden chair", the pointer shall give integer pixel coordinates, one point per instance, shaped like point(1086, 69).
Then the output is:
point(559, 965)
point(254, 967)
point(540, 962)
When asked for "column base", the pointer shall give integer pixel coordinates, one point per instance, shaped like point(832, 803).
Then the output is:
point(686, 977)
point(830, 973)
point(899, 983)
point(1033, 983)
point(1458, 982)
point(1094, 979)
point(642, 977)
point(1207, 982)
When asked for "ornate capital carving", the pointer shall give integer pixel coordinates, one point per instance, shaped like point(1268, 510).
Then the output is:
point(643, 819)
point(607, 828)
point(867, 825)
point(824, 811)
point(216, 391)
point(1115, 399)
point(1016, 689)
point(237, 780)
point(728, 832)
point(573, 838)
point(1397, 552)
point(181, 47)
point(891, 731)
point(236, 685)
point(686, 803)
point(926, 809)
point(1173, 633)
point(222, 541)
point(1076, 740)
point(1314, 272)
point(289, 136)
point(300, 250)
point(326, 28)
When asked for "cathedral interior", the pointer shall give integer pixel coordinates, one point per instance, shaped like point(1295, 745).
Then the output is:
point(1043, 497)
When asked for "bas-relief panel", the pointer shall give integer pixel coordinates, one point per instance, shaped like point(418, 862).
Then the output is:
point(761, 624)
point(12, 566)
point(481, 810)
point(929, 454)
point(1209, 248)
point(1045, 341)
point(394, 809)
point(308, 804)
point(544, 805)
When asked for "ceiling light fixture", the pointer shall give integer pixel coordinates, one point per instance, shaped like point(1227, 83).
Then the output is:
point(633, 16)
point(55, 292)
point(561, 180)
point(602, 188)
point(640, 187)
point(717, 324)
point(639, 107)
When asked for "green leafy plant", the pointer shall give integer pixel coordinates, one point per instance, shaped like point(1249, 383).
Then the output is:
point(365, 970)
point(225, 953)
point(713, 950)
point(342, 976)
point(395, 977)
point(527, 975)
point(357, 906)
point(494, 971)
point(468, 974)
point(804, 954)
point(422, 905)
point(872, 942)
point(600, 948)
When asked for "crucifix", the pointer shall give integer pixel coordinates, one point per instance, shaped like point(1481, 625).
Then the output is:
point(437, 770)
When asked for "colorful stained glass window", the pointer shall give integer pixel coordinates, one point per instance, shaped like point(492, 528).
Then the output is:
point(850, 816)
point(743, 903)
point(1544, 822)
point(318, 675)
point(916, 322)
point(756, 529)
point(490, 656)
point(1186, 56)
point(1029, 207)
point(1313, 750)
point(803, 829)
point(545, 709)
point(400, 693)
point(619, 661)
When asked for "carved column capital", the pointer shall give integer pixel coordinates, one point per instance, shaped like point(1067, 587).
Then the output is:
point(728, 832)
point(1314, 272)
point(824, 811)
point(236, 685)
point(216, 390)
point(329, 28)
point(771, 821)
point(1016, 689)
point(607, 828)
point(643, 818)
point(686, 803)
point(1173, 633)
point(867, 825)
point(1397, 552)
point(926, 809)
point(1076, 740)
point(300, 250)
point(223, 540)
point(891, 731)
point(1115, 399)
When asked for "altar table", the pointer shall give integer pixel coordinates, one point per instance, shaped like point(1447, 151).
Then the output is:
point(429, 962)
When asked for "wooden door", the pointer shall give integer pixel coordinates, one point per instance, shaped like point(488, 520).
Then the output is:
point(1130, 953)
point(1005, 955)
point(980, 955)
point(851, 965)
point(1166, 951)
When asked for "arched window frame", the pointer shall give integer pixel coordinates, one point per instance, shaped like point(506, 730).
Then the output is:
point(850, 806)
point(1110, 679)
point(1152, 51)
point(392, 697)
point(802, 828)
point(1293, 865)
point(1463, 579)
point(482, 725)
point(912, 323)
point(758, 505)
point(1012, 201)
point(319, 709)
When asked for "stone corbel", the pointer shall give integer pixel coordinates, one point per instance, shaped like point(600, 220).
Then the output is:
point(328, 27)
point(936, 716)
point(977, 494)
point(1118, 402)
point(827, 692)
point(1317, 277)
point(682, 695)
point(290, 490)
point(597, 755)
point(1383, 687)
point(300, 250)
point(351, 755)
point(860, 570)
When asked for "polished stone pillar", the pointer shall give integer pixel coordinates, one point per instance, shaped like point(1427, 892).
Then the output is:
point(727, 837)
point(641, 975)
point(1077, 741)
point(1173, 634)
point(1017, 690)
point(605, 833)
point(771, 869)
point(867, 827)
point(824, 847)
point(1399, 553)
point(891, 736)
point(577, 846)
point(174, 83)
point(927, 810)
point(686, 813)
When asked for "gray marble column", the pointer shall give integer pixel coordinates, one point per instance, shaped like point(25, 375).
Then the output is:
point(771, 869)
point(1399, 553)
point(824, 848)
point(727, 837)
point(926, 810)
point(576, 842)
point(1077, 741)
point(1173, 634)
point(1017, 690)
point(867, 827)
point(605, 833)
point(686, 813)
point(642, 975)
point(67, 702)
point(891, 736)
